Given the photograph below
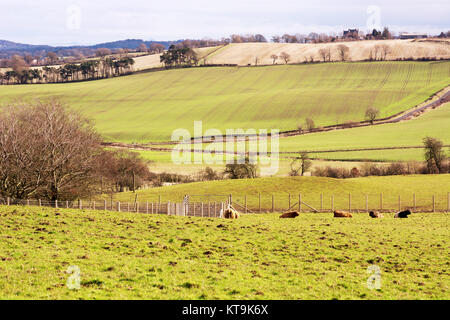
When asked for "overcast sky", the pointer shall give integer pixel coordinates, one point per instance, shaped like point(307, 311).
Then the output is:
point(68, 22)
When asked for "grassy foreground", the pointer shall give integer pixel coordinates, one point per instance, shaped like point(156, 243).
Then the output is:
point(138, 256)
point(150, 106)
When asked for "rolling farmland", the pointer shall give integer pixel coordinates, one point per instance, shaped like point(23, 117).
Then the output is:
point(149, 106)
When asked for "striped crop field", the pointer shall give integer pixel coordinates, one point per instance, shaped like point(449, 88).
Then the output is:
point(149, 106)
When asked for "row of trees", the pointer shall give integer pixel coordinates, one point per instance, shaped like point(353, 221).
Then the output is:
point(50, 152)
point(87, 70)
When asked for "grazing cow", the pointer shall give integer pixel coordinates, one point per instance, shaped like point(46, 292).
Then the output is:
point(402, 214)
point(375, 214)
point(291, 214)
point(230, 213)
point(342, 214)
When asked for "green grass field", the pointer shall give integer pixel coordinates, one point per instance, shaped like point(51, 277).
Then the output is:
point(139, 256)
point(149, 106)
point(311, 188)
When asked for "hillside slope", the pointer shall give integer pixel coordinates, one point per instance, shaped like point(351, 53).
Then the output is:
point(246, 53)
point(149, 106)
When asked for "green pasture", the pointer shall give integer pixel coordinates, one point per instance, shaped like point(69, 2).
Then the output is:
point(123, 255)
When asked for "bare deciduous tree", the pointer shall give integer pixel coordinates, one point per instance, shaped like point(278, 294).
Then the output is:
point(434, 155)
point(325, 54)
point(102, 52)
point(156, 48)
point(343, 52)
point(372, 114)
point(300, 164)
point(310, 124)
point(385, 50)
point(285, 56)
point(46, 151)
point(274, 58)
point(142, 48)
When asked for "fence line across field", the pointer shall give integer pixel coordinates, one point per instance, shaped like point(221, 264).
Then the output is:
point(213, 206)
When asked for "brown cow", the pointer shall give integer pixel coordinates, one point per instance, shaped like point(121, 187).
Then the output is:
point(342, 214)
point(375, 214)
point(230, 213)
point(291, 214)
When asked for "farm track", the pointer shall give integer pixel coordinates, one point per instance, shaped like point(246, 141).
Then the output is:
point(119, 145)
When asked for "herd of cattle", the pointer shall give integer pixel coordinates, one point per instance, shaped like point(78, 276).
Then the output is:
point(345, 214)
point(231, 213)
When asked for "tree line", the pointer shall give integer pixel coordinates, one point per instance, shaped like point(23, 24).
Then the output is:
point(104, 67)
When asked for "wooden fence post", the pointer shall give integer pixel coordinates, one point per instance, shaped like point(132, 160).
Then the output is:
point(80, 204)
point(209, 208)
point(67, 204)
point(273, 203)
point(159, 203)
point(28, 202)
point(8, 201)
point(40, 203)
point(448, 202)
point(215, 207)
point(245, 201)
point(118, 206)
point(259, 202)
point(168, 208)
point(202, 209)
point(93, 205)
point(299, 202)
point(146, 207)
point(104, 205)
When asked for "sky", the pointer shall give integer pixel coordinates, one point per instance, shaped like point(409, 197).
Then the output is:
point(84, 22)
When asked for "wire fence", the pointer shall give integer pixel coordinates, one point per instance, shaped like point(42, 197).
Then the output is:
point(351, 202)
point(209, 209)
point(213, 206)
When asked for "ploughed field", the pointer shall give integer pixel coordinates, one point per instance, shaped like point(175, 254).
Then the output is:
point(149, 106)
point(143, 256)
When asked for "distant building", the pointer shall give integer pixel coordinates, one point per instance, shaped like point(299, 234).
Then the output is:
point(351, 33)
point(406, 35)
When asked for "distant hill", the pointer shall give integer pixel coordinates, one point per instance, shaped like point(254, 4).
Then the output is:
point(9, 45)
point(8, 48)
point(131, 44)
